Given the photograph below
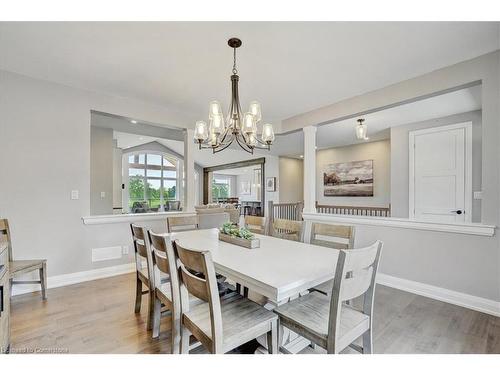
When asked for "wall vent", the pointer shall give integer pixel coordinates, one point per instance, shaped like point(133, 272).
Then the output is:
point(106, 253)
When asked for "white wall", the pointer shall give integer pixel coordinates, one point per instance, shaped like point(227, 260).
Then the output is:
point(379, 152)
point(291, 180)
point(400, 160)
point(248, 178)
point(117, 178)
point(101, 171)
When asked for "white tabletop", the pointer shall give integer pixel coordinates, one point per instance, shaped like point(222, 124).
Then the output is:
point(279, 269)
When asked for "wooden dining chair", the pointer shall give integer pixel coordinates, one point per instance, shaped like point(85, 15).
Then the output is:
point(256, 224)
point(143, 273)
point(333, 236)
point(219, 324)
point(326, 320)
point(21, 267)
point(287, 229)
point(182, 223)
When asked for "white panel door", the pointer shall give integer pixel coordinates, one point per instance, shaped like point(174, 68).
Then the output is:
point(439, 174)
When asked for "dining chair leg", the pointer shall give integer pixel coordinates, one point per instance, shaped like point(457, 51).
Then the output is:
point(43, 280)
point(156, 318)
point(245, 292)
point(176, 335)
point(138, 295)
point(367, 342)
point(272, 339)
point(185, 334)
point(151, 303)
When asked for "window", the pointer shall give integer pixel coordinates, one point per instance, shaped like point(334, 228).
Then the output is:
point(221, 187)
point(152, 181)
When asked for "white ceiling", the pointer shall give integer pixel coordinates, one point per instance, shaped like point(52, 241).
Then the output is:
point(290, 67)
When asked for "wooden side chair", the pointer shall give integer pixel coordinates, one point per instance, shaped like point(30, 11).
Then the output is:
point(220, 325)
point(287, 229)
point(182, 223)
point(143, 273)
point(20, 267)
point(333, 236)
point(256, 224)
point(327, 321)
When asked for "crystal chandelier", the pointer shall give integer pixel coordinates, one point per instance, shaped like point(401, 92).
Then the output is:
point(219, 134)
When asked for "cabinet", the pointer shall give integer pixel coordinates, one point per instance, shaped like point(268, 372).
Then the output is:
point(4, 299)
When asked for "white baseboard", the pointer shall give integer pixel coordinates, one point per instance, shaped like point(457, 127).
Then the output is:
point(461, 299)
point(484, 305)
point(75, 278)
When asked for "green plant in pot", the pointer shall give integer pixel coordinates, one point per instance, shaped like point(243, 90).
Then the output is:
point(235, 231)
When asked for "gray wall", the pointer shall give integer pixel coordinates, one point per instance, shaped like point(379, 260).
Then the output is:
point(46, 126)
point(291, 179)
point(101, 171)
point(400, 163)
point(379, 152)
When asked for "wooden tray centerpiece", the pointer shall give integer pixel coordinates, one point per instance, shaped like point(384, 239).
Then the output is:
point(238, 236)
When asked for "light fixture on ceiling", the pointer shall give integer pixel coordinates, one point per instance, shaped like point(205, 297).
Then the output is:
point(219, 134)
point(133, 121)
point(361, 130)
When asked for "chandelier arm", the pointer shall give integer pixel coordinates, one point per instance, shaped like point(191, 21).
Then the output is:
point(244, 146)
point(217, 149)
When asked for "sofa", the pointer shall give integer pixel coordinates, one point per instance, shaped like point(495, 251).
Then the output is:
point(214, 215)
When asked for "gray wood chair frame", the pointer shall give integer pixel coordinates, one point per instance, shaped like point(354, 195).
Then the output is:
point(248, 320)
point(144, 277)
point(21, 267)
point(287, 229)
point(182, 223)
point(330, 234)
point(328, 321)
point(256, 224)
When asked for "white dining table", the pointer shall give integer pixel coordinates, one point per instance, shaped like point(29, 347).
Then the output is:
point(279, 269)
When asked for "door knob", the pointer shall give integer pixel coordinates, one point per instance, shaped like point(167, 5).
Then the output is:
point(458, 212)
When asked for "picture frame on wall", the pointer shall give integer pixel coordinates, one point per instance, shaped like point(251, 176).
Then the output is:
point(348, 179)
point(271, 184)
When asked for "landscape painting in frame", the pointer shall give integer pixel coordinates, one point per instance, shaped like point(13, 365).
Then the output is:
point(351, 179)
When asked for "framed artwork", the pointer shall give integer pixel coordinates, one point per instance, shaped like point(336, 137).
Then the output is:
point(271, 184)
point(246, 187)
point(351, 179)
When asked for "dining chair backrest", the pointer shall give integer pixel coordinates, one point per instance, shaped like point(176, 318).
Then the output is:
point(5, 236)
point(202, 285)
point(354, 277)
point(287, 229)
point(165, 264)
point(256, 224)
point(332, 235)
point(182, 223)
point(142, 250)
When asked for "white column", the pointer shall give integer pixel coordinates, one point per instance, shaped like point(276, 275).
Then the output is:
point(189, 184)
point(309, 169)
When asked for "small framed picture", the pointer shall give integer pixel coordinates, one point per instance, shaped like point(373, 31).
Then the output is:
point(271, 184)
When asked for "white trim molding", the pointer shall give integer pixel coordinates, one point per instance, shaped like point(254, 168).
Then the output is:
point(75, 278)
point(461, 228)
point(484, 305)
point(130, 218)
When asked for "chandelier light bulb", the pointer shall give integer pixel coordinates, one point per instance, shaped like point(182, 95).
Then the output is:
point(255, 110)
point(214, 109)
point(252, 140)
point(267, 133)
point(217, 124)
point(201, 131)
point(249, 125)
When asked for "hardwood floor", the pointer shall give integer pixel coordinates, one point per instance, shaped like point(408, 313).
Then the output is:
point(98, 317)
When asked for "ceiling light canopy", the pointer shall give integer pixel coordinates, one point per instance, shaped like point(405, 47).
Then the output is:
point(244, 128)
